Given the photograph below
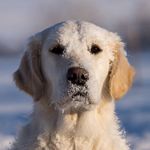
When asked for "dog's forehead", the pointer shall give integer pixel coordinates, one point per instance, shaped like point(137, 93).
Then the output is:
point(78, 28)
point(78, 36)
point(78, 31)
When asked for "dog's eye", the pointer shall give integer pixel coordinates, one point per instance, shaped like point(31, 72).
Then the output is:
point(57, 50)
point(95, 49)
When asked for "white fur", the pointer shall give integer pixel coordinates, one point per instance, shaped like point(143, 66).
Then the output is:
point(73, 36)
point(53, 126)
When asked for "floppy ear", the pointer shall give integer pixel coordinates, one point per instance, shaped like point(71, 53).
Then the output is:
point(29, 76)
point(121, 75)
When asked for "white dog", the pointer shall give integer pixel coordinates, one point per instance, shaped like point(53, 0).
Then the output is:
point(74, 71)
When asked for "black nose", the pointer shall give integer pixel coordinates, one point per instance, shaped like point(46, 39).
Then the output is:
point(77, 75)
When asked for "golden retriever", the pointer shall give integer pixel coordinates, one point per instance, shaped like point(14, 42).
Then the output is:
point(74, 71)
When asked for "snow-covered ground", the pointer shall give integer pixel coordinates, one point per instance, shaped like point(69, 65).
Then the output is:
point(133, 110)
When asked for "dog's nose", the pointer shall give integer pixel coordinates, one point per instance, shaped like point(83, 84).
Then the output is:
point(77, 75)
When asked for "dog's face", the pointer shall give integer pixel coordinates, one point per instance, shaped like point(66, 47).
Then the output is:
point(73, 63)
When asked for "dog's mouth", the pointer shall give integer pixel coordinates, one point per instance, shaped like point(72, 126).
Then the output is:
point(80, 97)
point(76, 99)
point(79, 94)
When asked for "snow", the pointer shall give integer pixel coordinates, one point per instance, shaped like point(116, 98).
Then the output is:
point(5, 141)
point(133, 110)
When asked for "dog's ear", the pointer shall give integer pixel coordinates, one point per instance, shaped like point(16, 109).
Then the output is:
point(29, 75)
point(121, 75)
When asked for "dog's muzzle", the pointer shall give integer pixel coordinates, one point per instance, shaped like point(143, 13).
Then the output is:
point(76, 97)
point(77, 78)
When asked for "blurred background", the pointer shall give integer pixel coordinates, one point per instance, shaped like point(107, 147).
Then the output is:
point(19, 19)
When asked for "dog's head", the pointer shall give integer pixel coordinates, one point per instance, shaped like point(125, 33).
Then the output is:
point(73, 65)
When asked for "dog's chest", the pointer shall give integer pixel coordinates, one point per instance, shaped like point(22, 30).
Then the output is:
point(59, 142)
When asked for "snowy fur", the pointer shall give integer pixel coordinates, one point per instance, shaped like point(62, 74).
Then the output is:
point(58, 121)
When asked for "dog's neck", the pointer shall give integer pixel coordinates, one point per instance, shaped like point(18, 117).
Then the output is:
point(95, 129)
point(80, 123)
point(60, 120)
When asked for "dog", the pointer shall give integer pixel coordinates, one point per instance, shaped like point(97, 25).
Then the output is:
point(74, 71)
